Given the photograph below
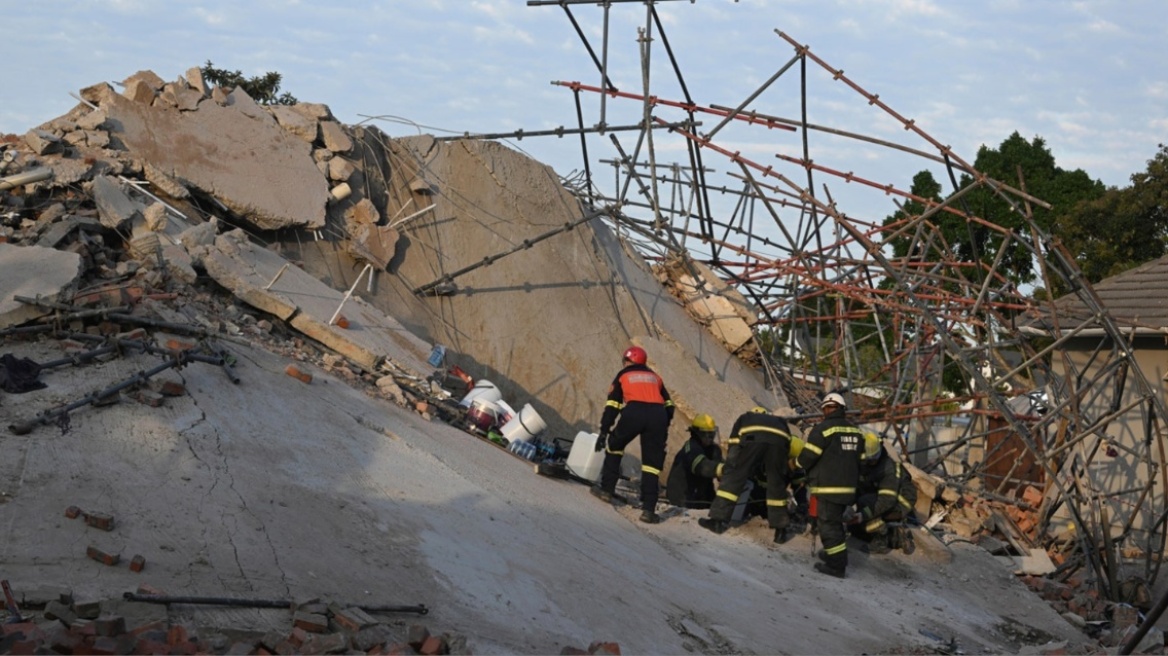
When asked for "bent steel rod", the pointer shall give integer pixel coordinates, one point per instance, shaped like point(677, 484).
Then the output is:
point(420, 609)
point(557, 132)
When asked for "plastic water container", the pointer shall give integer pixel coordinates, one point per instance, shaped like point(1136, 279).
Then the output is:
point(583, 459)
point(523, 426)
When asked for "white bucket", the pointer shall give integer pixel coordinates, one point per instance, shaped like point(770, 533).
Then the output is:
point(506, 412)
point(523, 426)
point(484, 389)
point(583, 459)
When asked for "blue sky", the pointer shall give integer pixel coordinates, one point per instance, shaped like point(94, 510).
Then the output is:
point(1088, 76)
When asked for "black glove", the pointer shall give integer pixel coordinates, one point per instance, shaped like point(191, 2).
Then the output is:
point(601, 441)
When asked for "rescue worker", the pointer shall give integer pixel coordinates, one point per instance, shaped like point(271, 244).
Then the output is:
point(696, 465)
point(886, 494)
point(638, 396)
point(758, 441)
point(831, 456)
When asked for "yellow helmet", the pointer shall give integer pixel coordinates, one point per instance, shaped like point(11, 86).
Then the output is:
point(704, 422)
point(871, 446)
point(796, 447)
point(759, 410)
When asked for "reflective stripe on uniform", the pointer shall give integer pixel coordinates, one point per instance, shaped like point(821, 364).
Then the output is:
point(650, 470)
point(874, 526)
point(842, 429)
point(839, 548)
point(613, 404)
point(733, 440)
point(833, 490)
point(694, 465)
point(899, 498)
point(777, 502)
point(765, 429)
point(807, 446)
point(728, 495)
point(615, 453)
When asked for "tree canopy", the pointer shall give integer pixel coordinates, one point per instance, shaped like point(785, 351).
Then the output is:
point(264, 89)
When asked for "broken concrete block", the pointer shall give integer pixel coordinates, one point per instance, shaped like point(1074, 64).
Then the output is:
point(311, 622)
point(68, 171)
point(238, 100)
point(164, 182)
point(253, 167)
point(42, 142)
point(304, 127)
point(315, 111)
point(139, 91)
point(340, 169)
point(195, 236)
point(98, 94)
point(361, 213)
point(96, 138)
point(187, 99)
point(219, 95)
point(113, 205)
point(194, 77)
point(375, 244)
point(59, 231)
point(148, 77)
point(94, 120)
point(168, 97)
point(33, 271)
point(333, 136)
point(155, 217)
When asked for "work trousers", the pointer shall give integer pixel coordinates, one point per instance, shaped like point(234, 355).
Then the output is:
point(830, 520)
point(877, 526)
point(650, 422)
point(755, 453)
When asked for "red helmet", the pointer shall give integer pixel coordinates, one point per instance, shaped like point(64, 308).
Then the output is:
point(636, 355)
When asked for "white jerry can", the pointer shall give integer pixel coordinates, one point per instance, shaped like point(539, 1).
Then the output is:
point(583, 459)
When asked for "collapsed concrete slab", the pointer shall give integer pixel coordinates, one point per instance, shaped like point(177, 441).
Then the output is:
point(31, 272)
point(261, 172)
point(266, 281)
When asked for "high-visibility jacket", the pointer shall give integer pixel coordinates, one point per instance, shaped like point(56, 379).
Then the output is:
point(892, 484)
point(831, 455)
point(635, 383)
point(691, 477)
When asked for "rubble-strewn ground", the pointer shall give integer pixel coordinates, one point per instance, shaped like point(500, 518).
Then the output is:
point(324, 470)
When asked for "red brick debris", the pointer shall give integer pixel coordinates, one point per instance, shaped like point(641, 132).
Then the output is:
point(60, 626)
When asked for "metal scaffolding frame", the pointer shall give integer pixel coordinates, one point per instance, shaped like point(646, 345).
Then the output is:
point(837, 311)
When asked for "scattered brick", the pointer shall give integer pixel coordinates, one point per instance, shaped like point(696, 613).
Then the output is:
point(325, 643)
point(298, 636)
point(171, 388)
point(176, 635)
point(342, 322)
point(352, 619)
point(433, 645)
point(295, 372)
point(110, 625)
point(102, 557)
point(100, 520)
point(72, 512)
point(147, 398)
point(312, 622)
point(137, 563)
point(611, 648)
point(147, 589)
point(416, 635)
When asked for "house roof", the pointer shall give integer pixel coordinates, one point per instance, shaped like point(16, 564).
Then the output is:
point(1136, 298)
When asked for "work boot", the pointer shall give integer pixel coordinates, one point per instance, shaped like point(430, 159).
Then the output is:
point(878, 546)
point(601, 494)
point(824, 568)
point(716, 525)
point(650, 517)
point(907, 545)
point(783, 535)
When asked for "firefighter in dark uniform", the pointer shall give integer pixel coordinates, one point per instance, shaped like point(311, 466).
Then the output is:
point(696, 465)
point(887, 494)
point(638, 396)
point(759, 441)
point(831, 455)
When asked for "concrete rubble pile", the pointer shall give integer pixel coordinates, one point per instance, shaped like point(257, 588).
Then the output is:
point(172, 218)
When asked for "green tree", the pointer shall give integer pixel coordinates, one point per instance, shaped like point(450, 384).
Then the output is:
point(264, 89)
point(1122, 228)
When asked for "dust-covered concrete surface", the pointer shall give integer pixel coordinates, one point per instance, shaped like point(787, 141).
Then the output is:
point(340, 486)
point(276, 489)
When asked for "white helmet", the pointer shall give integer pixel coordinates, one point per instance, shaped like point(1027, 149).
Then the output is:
point(833, 399)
